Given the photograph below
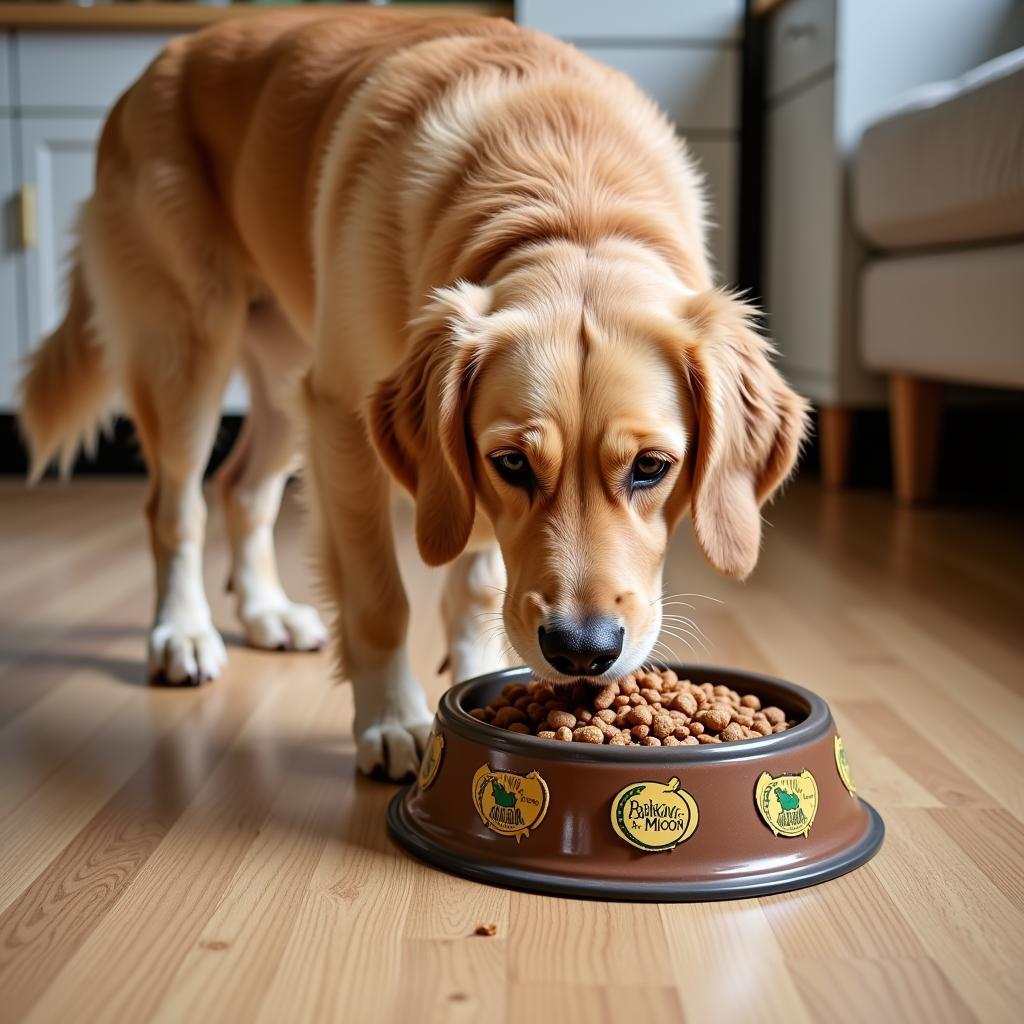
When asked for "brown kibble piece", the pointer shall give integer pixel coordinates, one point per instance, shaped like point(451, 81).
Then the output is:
point(487, 930)
point(519, 727)
point(588, 734)
point(561, 720)
point(605, 697)
point(547, 734)
point(620, 739)
point(640, 732)
point(748, 700)
point(564, 734)
point(650, 741)
point(686, 703)
point(733, 731)
point(775, 716)
point(605, 715)
point(714, 718)
point(480, 714)
point(662, 726)
point(640, 716)
point(507, 715)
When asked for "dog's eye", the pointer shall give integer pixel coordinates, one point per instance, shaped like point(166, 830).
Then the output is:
point(513, 468)
point(648, 470)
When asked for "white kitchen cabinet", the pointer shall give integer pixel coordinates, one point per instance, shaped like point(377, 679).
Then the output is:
point(10, 306)
point(57, 156)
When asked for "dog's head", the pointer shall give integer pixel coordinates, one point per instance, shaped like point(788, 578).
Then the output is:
point(584, 422)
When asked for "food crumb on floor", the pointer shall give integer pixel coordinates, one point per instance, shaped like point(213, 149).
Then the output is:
point(488, 930)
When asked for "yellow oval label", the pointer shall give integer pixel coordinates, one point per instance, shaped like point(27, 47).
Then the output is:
point(509, 803)
point(843, 766)
point(788, 803)
point(431, 763)
point(654, 816)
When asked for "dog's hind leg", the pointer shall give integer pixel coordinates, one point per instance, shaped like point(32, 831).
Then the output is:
point(173, 349)
point(253, 479)
point(356, 554)
point(471, 606)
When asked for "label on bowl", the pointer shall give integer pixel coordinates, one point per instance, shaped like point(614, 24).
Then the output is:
point(788, 803)
point(509, 803)
point(431, 763)
point(654, 816)
point(843, 766)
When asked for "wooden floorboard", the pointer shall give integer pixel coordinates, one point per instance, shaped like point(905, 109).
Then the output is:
point(210, 854)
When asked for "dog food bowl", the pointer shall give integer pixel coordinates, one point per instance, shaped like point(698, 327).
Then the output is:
point(711, 822)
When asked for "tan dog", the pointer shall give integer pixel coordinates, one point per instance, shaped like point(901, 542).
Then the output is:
point(478, 256)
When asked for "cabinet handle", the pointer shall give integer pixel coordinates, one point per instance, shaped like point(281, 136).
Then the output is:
point(27, 216)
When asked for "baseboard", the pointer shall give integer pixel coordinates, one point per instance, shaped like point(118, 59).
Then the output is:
point(117, 453)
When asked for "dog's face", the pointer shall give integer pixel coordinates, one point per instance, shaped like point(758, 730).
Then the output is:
point(584, 437)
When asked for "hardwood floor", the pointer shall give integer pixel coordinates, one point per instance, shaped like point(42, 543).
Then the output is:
point(209, 854)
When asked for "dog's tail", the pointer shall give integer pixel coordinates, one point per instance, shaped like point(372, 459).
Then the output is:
point(66, 388)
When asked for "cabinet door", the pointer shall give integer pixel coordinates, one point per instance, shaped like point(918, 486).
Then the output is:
point(57, 156)
point(803, 252)
point(10, 326)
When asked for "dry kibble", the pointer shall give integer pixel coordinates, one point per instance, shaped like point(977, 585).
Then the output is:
point(662, 726)
point(561, 720)
point(507, 715)
point(650, 709)
point(714, 719)
point(640, 716)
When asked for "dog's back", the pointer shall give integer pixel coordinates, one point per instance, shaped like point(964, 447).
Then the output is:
point(207, 166)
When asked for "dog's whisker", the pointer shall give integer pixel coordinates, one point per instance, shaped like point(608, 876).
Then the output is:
point(682, 620)
point(681, 634)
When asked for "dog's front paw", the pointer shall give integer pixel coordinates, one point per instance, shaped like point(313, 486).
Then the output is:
point(185, 654)
point(392, 749)
point(284, 626)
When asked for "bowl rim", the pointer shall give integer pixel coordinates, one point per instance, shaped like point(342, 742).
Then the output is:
point(454, 717)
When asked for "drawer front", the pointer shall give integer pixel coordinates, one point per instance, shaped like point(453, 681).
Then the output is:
point(697, 88)
point(81, 70)
point(803, 234)
point(801, 43)
point(5, 70)
point(701, 20)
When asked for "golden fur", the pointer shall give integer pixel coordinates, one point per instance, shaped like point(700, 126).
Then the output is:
point(448, 238)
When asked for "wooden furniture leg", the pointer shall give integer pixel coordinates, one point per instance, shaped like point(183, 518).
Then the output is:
point(835, 428)
point(915, 414)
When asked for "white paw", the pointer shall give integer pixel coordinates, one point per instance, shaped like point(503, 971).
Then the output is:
point(284, 626)
point(392, 748)
point(183, 654)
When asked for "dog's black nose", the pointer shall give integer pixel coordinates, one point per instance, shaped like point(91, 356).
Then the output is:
point(581, 648)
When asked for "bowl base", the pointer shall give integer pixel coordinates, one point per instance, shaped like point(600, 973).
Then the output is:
point(403, 830)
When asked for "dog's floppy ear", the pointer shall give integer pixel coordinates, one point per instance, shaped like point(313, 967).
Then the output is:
point(418, 418)
point(750, 426)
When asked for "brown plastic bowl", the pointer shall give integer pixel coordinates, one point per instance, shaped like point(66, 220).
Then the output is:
point(718, 821)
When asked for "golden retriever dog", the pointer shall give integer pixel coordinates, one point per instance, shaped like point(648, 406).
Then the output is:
point(447, 252)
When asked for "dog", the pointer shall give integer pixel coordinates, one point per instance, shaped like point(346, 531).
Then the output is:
point(447, 252)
